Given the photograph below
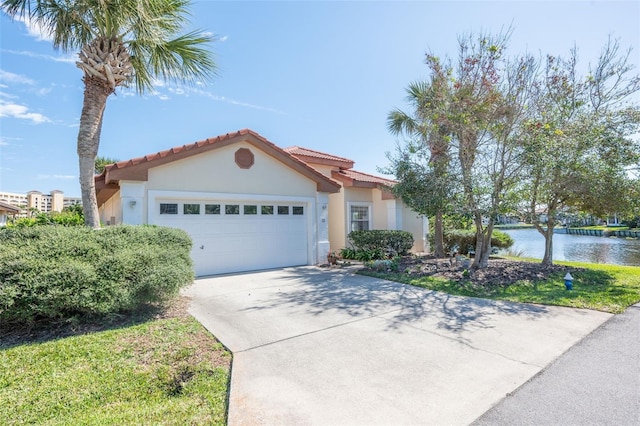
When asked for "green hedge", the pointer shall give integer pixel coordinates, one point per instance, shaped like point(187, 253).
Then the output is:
point(64, 218)
point(381, 243)
point(54, 272)
point(464, 240)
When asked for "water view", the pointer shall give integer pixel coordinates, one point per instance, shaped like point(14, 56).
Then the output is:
point(579, 248)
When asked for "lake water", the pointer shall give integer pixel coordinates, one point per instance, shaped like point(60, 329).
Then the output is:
point(580, 248)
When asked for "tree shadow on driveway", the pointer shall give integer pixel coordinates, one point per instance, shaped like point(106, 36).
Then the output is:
point(320, 291)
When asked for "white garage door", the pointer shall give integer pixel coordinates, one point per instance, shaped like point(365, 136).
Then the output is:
point(233, 236)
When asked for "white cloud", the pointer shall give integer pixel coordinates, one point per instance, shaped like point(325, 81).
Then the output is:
point(235, 102)
point(4, 140)
point(7, 95)
point(43, 91)
point(34, 29)
point(20, 111)
point(163, 97)
point(188, 91)
point(63, 177)
point(9, 77)
point(223, 38)
point(69, 58)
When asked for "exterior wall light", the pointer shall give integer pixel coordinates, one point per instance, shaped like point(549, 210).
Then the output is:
point(132, 203)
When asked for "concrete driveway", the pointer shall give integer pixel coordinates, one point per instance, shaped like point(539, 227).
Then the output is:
point(327, 347)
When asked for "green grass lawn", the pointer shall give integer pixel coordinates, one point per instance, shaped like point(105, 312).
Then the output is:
point(164, 371)
point(608, 288)
point(602, 228)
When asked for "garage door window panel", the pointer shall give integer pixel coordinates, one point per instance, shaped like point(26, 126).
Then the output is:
point(298, 210)
point(212, 209)
point(266, 210)
point(189, 209)
point(232, 209)
point(250, 209)
point(283, 210)
point(168, 208)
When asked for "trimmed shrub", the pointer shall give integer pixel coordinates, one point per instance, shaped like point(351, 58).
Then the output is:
point(53, 272)
point(64, 218)
point(377, 244)
point(464, 240)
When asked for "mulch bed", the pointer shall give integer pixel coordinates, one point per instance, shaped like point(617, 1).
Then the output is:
point(499, 272)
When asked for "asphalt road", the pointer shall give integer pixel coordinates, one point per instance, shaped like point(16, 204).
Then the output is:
point(596, 382)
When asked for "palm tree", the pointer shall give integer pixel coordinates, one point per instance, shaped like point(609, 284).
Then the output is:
point(102, 162)
point(120, 42)
point(427, 124)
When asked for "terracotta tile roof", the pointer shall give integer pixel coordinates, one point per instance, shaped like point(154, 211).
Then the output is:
point(364, 177)
point(306, 152)
point(185, 148)
point(137, 168)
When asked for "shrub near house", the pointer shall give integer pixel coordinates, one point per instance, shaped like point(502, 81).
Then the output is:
point(54, 272)
point(377, 244)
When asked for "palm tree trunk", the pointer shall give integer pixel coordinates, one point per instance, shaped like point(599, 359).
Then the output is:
point(95, 101)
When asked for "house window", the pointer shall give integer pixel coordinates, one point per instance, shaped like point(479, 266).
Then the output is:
point(267, 210)
point(250, 209)
point(232, 209)
point(283, 209)
point(212, 209)
point(191, 208)
point(359, 218)
point(297, 210)
point(168, 208)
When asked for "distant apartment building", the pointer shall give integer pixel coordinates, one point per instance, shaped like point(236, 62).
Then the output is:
point(53, 202)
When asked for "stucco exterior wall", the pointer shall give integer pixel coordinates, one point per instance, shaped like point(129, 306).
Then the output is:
point(111, 210)
point(337, 217)
point(415, 224)
point(217, 171)
point(325, 170)
point(380, 213)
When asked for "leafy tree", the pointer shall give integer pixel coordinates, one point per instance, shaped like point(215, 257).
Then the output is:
point(577, 140)
point(120, 42)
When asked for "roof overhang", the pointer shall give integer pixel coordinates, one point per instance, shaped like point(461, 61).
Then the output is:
point(137, 169)
point(8, 208)
point(351, 182)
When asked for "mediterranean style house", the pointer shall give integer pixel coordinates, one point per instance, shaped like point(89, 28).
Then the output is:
point(249, 204)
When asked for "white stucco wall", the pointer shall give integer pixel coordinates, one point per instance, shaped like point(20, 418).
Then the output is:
point(216, 171)
point(133, 199)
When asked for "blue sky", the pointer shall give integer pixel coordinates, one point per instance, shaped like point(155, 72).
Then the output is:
point(322, 75)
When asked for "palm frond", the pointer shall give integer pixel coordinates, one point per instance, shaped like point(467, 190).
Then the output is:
point(179, 60)
point(149, 28)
